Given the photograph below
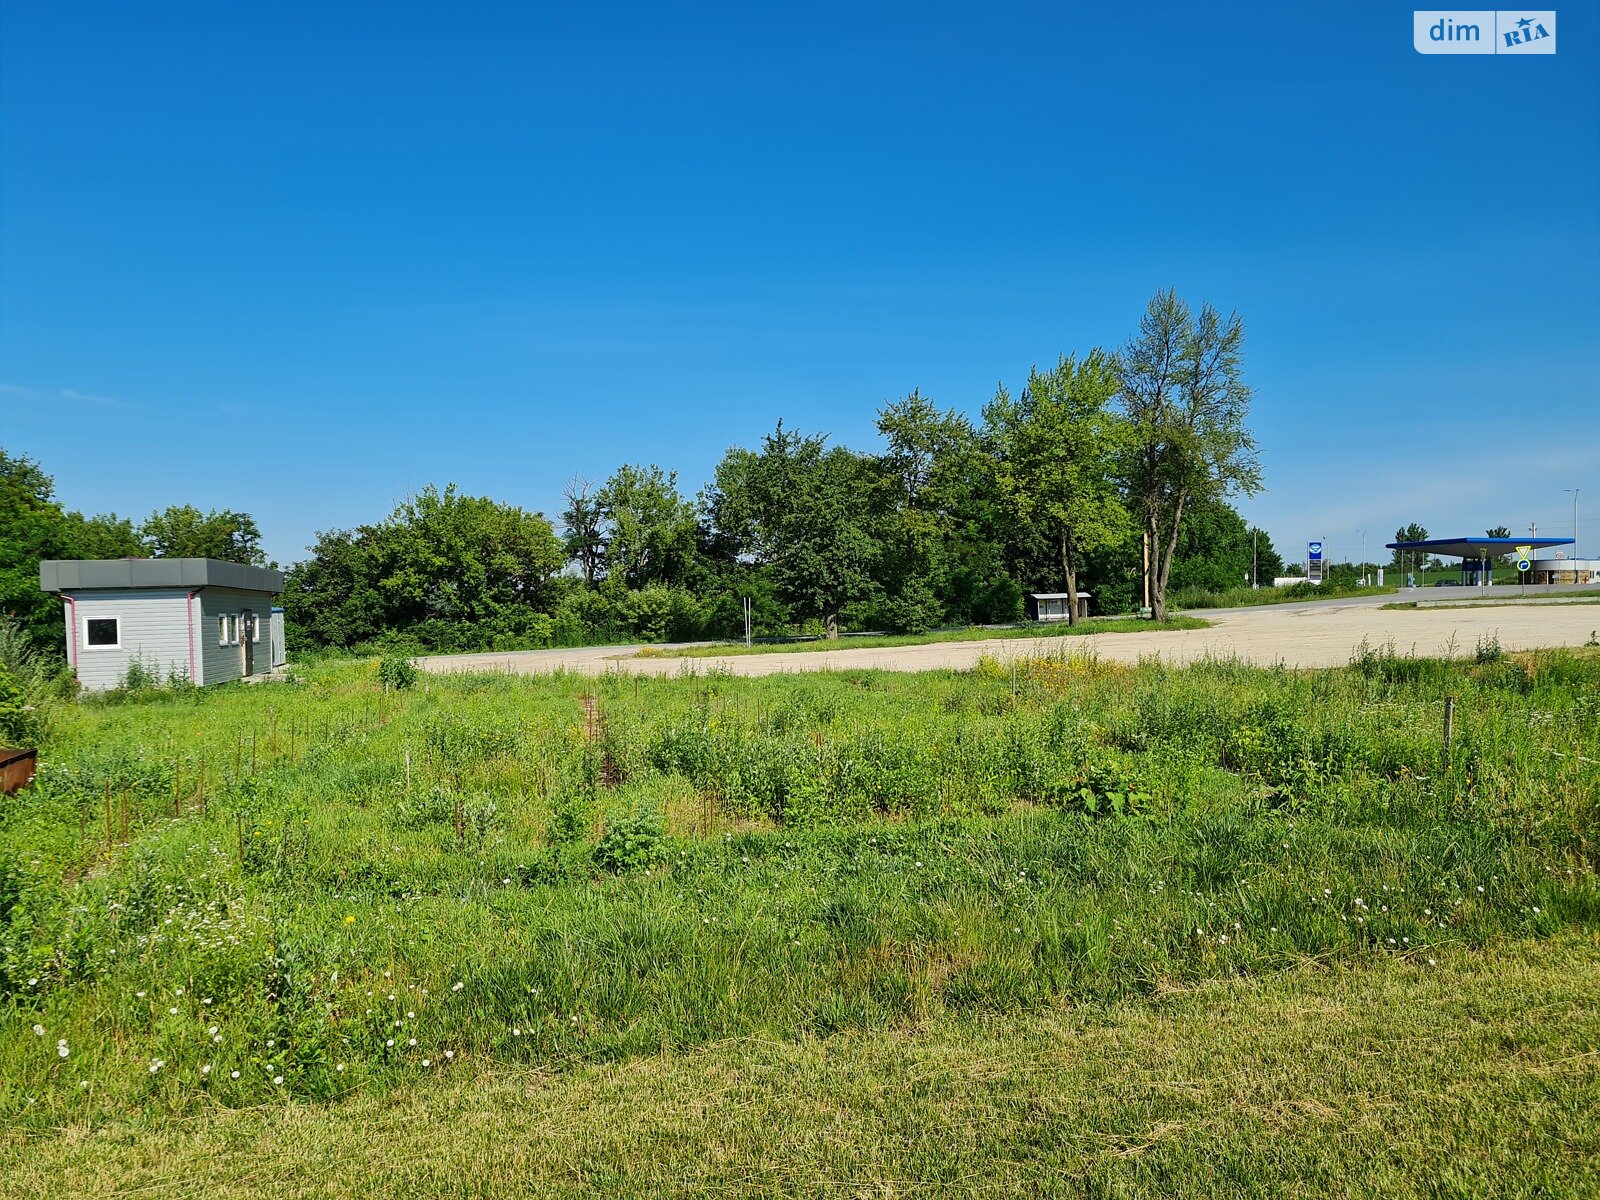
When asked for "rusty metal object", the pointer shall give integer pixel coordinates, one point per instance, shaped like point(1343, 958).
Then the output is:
point(16, 769)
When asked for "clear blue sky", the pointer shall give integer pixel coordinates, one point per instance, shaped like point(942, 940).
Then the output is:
point(301, 259)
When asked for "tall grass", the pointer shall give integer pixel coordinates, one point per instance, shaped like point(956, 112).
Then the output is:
point(295, 890)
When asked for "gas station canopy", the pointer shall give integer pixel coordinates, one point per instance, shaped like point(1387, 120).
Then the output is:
point(1478, 547)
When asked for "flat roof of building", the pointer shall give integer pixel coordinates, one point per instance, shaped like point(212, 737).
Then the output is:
point(1478, 547)
point(72, 575)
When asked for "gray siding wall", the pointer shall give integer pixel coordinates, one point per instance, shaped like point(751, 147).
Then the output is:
point(154, 630)
point(222, 663)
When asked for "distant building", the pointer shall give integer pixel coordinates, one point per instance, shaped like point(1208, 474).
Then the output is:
point(198, 619)
point(1052, 606)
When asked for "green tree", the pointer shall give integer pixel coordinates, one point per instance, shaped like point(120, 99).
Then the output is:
point(582, 537)
point(942, 540)
point(1407, 533)
point(1215, 548)
point(104, 536)
point(809, 513)
point(183, 531)
point(1056, 445)
point(446, 570)
point(1183, 391)
point(650, 529)
point(33, 527)
point(1500, 531)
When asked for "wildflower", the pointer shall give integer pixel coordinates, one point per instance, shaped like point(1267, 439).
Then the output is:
point(349, 920)
point(339, 1068)
point(235, 1075)
point(516, 1033)
point(277, 1079)
point(411, 1041)
point(38, 1031)
point(157, 1064)
point(411, 1016)
point(61, 1048)
point(83, 1085)
point(390, 1042)
point(426, 1063)
point(449, 1053)
point(178, 992)
point(212, 1030)
point(172, 1012)
point(457, 986)
point(206, 1070)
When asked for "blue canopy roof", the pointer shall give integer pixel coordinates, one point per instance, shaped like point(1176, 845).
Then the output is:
point(1478, 547)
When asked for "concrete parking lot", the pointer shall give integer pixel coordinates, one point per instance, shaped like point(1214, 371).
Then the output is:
point(1319, 634)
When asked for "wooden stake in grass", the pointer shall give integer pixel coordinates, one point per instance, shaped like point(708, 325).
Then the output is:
point(1449, 727)
point(238, 755)
point(124, 821)
point(202, 787)
point(108, 816)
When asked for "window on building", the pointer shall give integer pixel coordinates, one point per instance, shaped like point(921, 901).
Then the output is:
point(102, 633)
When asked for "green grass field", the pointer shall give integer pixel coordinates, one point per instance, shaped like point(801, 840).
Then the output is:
point(974, 633)
point(1081, 929)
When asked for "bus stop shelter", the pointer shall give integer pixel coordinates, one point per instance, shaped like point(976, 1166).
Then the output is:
point(1477, 554)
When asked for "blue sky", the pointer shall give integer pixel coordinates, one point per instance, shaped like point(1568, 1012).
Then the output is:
point(303, 259)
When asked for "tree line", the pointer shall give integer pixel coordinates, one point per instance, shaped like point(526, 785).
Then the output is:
point(1058, 487)
point(35, 526)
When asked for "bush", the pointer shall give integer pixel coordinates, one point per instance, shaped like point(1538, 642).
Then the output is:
point(19, 718)
point(397, 674)
point(915, 610)
point(632, 843)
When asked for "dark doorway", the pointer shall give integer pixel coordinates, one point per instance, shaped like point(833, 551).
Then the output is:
point(247, 640)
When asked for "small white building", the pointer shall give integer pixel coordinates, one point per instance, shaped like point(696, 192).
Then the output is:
point(198, 619)
point(1052, 606)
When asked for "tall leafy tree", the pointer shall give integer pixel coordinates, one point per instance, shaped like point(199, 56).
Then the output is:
point(810, 513)
point(939, 548)
point(103, 536)
point(1055, 446)
point(582, 537)
point(33, 527)
point(650, 529)
point(1183, 391)
point(1411, 532)
point(183, 531)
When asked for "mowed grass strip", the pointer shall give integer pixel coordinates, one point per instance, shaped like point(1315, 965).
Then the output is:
point(1476, 1076)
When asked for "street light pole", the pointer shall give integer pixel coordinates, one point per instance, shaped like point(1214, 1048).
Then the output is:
point(1574, 492)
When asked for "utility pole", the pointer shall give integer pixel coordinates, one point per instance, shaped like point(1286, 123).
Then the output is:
point(1145, 543)
point(1363, 534)
point(1574, 492)
point(1255, 580)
